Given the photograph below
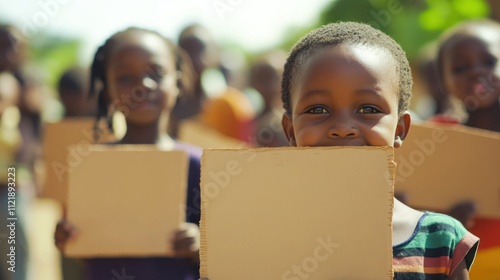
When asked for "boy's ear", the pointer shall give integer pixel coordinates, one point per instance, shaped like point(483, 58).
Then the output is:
point(402, 129)
point(286, 122)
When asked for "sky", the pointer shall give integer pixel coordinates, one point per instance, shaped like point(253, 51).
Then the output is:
point(254, 25)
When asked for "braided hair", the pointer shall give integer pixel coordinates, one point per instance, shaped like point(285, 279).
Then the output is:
point(99, 82)
point(352, 33)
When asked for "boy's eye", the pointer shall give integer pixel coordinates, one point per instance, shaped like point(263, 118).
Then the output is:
point(368, 110)
point(317, 110)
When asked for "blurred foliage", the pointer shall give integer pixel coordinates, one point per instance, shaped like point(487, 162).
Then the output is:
point(412, 23)
point(53, 55)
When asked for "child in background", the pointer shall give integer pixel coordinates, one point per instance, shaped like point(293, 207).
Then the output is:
point(13, 49)
point(468, 66)
point(469, 70)
point(10, 144)
point(203, 53)
point(226, 110)
point(265, 77)
point(74, 93)
point(348, 84)
point(135, 72)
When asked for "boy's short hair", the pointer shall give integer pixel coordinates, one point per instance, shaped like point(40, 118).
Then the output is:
point(352, 33)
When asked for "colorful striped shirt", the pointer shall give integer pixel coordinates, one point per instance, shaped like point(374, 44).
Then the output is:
point(436, 247)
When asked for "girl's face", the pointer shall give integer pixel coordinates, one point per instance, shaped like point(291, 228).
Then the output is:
point(471, 71)
point(347, 96)
point(141, 77)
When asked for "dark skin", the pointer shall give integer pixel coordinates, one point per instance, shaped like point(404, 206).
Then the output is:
point(471, 73)
point(201, 49)
point(142, 84)
point(74, 94)
point(347, 96)
point(266, 79)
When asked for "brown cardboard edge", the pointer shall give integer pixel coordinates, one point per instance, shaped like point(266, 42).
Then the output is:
point(459, 128)
point(185, 182)
point(392, 168)
point(264, 149)
point(203, 220)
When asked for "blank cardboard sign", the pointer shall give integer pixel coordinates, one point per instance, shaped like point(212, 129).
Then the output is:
point(126, 202)
point(201, 135)
point(297, 213)
point(57, 139)
point(440, 165)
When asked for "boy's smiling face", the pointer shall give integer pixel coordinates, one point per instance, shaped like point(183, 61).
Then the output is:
point(347, 96)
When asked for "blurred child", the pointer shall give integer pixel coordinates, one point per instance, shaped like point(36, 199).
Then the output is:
point(12, 59)
point(10, 143)
point(203, 53)
point(265, 77)
point(74, 93)
point(434, 100)
point(347, 84)
point(135, 72)
point(225, 109)
point(468, 65)
point(469, 70)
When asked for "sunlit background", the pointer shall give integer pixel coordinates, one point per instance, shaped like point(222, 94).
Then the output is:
point(65, 33)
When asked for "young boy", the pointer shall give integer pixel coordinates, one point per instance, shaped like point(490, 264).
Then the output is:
point(347, 84)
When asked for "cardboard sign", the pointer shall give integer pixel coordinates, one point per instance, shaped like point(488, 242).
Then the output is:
point(297, 213)
point(44, 257)
point(58, 163)
point(127, 202)
point(441, 165)
point(198, 134)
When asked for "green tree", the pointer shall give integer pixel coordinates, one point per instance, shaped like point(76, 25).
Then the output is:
point(412, 23)
point(52, 56)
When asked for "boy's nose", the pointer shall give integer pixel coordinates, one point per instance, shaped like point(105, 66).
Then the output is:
point(343, 131)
